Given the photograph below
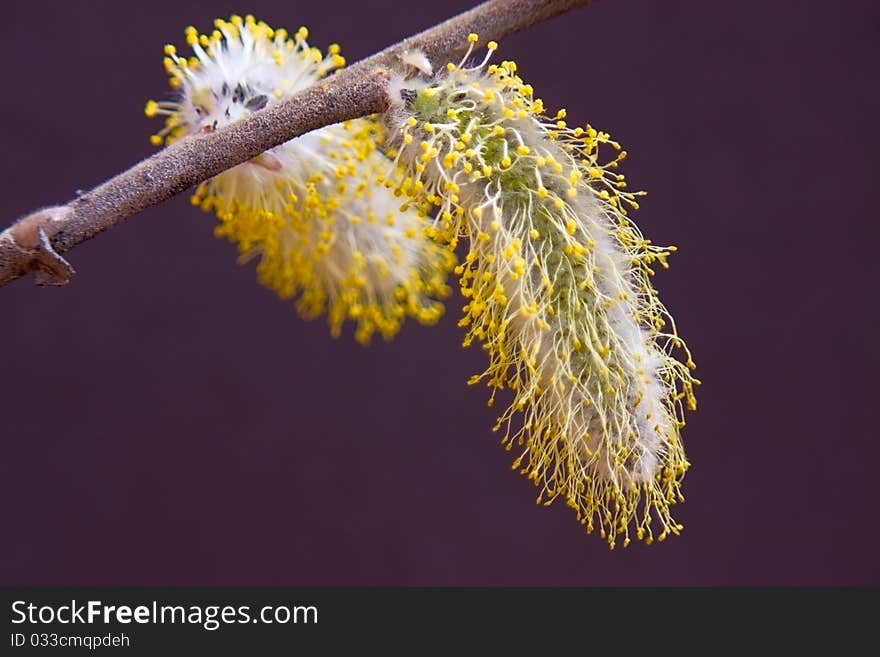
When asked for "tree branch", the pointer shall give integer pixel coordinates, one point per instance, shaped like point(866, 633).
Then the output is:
point(34, 243)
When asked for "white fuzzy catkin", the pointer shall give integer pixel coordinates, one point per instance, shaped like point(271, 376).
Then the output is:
point(325, 231)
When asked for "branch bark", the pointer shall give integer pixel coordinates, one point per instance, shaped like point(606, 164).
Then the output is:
point(34, 243)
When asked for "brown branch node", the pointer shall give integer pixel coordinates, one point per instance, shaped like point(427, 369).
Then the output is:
point(29, 241)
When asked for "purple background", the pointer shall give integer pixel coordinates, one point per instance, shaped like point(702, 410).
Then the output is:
point(165, 420)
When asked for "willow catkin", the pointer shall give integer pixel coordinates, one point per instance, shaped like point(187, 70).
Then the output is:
point(557, 279)
point(324, 231)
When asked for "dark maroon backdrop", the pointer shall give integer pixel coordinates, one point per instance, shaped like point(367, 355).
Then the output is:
point(165, 420)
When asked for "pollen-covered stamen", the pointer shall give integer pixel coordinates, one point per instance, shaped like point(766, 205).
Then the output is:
point(558, 290)
point(325, 233)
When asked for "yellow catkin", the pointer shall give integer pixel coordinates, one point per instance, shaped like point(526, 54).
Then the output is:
point(557, 281)
point(314, 210)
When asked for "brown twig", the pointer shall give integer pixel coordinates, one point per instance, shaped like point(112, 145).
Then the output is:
point(34, 243)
